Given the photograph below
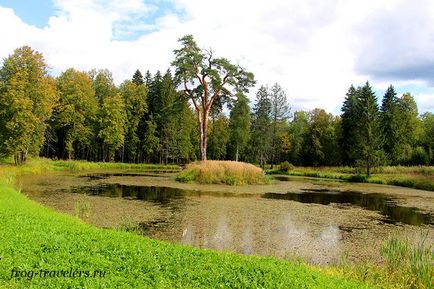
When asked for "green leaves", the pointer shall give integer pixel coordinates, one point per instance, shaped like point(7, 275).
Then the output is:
point(27, 99)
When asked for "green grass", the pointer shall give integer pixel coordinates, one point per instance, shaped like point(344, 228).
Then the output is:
point(420, 177)
point(223, 172)
point(41, 165)
point(35, 238)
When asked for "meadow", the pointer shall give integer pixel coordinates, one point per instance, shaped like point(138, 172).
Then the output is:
point(417, 177)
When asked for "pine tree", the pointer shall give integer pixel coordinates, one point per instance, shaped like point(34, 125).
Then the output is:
point(207, 80)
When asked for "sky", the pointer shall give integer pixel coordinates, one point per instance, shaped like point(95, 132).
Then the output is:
point(314, 49)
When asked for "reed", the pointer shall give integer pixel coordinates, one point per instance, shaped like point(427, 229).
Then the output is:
point(223, 172)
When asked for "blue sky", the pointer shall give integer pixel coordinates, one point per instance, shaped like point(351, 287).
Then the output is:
point(314, 49)
point(34, 12)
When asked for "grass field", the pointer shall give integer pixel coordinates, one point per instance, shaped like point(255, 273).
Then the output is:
point(420, 177)
point(38, 244)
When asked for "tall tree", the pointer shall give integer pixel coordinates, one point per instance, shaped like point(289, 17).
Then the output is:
point(297, 130)
point(261, 135)
point(369, 137)
point(321, 142)
point(27, 98)
point(112, 125)
point(218, 137)
point(349, 124)
point(76, 113)
point(407, 128)
point(239, 126)
point(206, 80)
point(134, 97)
point(279, 112)
point(138, 78)
point(427, 135)
point(390, 122)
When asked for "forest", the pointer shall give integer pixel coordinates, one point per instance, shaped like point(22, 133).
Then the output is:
point(148, 119)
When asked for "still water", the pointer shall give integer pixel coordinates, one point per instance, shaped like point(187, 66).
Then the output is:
point(318, 225)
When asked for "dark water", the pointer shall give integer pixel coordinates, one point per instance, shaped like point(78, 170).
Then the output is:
point(101, 176)
point(385, 205)
point(388, 207)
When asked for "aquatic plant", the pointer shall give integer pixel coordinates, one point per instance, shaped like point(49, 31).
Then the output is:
point(82, 209)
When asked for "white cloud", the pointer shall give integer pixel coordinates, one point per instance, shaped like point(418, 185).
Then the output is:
point(314, 49)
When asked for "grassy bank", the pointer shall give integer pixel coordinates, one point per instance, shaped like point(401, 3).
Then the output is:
point(36, 240)
point(223, 172)
point(421, 177)
point(41, 165)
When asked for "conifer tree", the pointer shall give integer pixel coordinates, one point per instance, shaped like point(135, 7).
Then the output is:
point(261, 134)
point(369, 136)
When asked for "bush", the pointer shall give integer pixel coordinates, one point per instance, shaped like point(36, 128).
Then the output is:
point(222, 172)
point(286, 166)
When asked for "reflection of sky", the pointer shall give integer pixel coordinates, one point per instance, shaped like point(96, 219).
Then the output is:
point(285, 238)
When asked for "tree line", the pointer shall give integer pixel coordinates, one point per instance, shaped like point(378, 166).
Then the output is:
point(160, 119)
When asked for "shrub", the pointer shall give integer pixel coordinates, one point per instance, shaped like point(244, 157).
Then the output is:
point(222, 172)
point(286, 166)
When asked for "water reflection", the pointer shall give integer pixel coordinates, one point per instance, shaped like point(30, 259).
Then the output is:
point(387, 206)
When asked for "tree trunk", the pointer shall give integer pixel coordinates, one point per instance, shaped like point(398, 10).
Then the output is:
point(203, 135)
point(236, 154)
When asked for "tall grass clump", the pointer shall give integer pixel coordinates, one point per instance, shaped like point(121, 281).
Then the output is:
point(406, 265)
point(412, 266)
point(223, 172)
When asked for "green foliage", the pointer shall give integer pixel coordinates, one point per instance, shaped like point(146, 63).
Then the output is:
point(27, 98)
point(321, 139)
point(75, 116)
point(368, 136)
point(239, 127)
point(412, 177)
point(349, 125)
point(286, 166)
point(261, 134)
point(206, 81)
point(218, 137)
point(298, 129)
point(134, 97)
point(112, 124)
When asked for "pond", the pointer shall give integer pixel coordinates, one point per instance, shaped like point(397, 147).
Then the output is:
point(319, 224)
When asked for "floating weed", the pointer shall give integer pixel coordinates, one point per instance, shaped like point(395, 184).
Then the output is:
point(82, 209)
